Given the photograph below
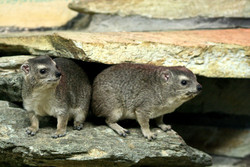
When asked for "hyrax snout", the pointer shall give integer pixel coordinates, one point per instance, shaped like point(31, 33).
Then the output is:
point(58, 88)
point(141, 92)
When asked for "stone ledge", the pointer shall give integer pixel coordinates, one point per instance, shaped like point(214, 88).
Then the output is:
point(210, 53)
point(116, 23)
point(34, 14)
point(92, 146)
point(170, 9)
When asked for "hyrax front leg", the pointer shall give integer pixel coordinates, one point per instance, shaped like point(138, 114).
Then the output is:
point(143, 120)
point(112, 123)
point(34, 124)
point(160, 124)
point(62, 121)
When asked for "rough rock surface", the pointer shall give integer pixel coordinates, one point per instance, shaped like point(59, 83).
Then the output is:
point(11, 78)
point(116, 23)
point(211, 53)
point(230, 146)
point(92, 146)
point(35, 14)
point(231, 142)
point(170, 9)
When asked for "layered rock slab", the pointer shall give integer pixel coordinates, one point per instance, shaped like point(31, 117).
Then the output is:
point(170, 9)
point(92, 146)
point(157, 15)
point(11, 77)
point(116, 23)
point(210, 53)
point(34, 14)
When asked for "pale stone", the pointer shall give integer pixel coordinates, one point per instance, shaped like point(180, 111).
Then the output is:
point(10, 64)
point(116, 23)
point(210, 53)
point(170, 9)
point(35, 13)
point(11, 78)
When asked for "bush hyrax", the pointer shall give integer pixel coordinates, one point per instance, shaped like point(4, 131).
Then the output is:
point(58, 88)
point(141, 92)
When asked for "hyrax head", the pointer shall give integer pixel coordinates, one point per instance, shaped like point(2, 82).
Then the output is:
point(180, 82)
point(41, 71)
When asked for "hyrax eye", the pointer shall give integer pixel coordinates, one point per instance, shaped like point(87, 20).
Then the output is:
point(43, 71)
point(184, 82)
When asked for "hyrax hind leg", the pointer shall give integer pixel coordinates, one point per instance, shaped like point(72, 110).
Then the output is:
point(161, 124)
point(79, 118)
point(112, 119)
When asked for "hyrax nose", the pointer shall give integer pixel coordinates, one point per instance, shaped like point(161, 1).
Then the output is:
point(199, 87)
point(58, 74)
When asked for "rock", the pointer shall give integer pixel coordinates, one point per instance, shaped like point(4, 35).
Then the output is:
point(222, 142)
point(210, 53)
point(11, 87)
point(34, 14)
point(11, 78)
point(11, 64)
point(165, 9)
point(116, 23)
point(219, 161)
point(93, 146)
point(220, 136)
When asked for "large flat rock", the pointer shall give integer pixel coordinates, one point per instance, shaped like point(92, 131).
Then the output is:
point(116, 23)
point(170, 9)
point(92, 146)
point(25, 14)
point(210, 53)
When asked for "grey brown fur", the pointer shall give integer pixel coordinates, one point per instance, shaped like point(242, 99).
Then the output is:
point(62, 91)
point(141, 92)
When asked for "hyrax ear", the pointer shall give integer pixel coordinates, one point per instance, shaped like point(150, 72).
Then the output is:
point(165, 75)
point(25, 68)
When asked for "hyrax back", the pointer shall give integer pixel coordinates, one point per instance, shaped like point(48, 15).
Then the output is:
point(58, 88)
point(141, 92)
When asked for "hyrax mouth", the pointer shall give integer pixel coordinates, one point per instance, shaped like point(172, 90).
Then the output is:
point(53, 80)
point(196, 92)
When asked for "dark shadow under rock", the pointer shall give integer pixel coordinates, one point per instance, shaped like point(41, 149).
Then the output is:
point(92, 146)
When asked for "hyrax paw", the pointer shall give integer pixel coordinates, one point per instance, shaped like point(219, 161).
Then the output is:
point(165, 128)
point(150, 136)
point(123, 132)
point(57, 135)
point(31, 131)
point(78, 127)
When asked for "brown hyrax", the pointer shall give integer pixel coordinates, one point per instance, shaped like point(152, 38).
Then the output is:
point(141, 92)
point(58, 88)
